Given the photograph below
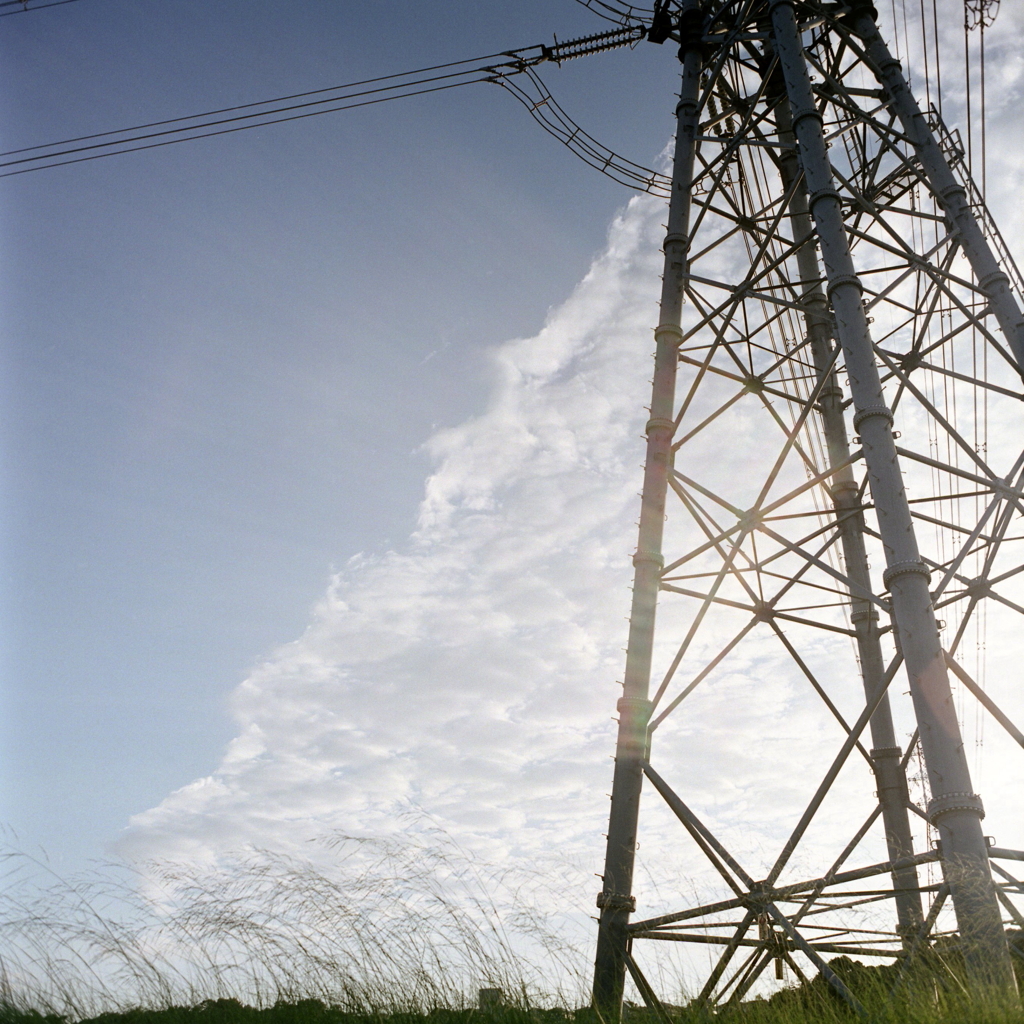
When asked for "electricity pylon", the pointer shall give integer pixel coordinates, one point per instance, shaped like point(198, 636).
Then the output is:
point(831, 275)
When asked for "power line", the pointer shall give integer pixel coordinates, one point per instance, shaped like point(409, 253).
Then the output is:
point(120, 138)
point(621, 14)
point(221, 131)
point(194, 127)
point(259, 103)
point(156, 134)
point(545, 110)
point(25, 9)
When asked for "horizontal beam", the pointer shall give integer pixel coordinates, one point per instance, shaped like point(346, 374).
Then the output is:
point(789, 946)
point(997, 853)
point(786, 891)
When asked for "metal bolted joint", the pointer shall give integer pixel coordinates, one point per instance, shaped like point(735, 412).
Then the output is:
point(880, 752)
point(659, 425)
point(911, 566)
point(839, 280)
point(615, 901)
point(940, 806)
point(634, 704)
point(648, 558)
point(872, 410)
point(864, 615)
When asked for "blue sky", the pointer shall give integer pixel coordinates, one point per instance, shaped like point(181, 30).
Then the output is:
point(222, 359)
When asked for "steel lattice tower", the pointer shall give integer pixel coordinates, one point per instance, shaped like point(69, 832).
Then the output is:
point(830, 273)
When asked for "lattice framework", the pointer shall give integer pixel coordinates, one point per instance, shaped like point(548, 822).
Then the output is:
point(752, 552)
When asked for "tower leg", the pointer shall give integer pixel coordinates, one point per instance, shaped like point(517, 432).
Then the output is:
point(615, 900)
point(955, 808)
point(890, 777)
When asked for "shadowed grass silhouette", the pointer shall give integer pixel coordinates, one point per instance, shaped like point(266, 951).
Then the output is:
point(379, 925)
point(380, 931)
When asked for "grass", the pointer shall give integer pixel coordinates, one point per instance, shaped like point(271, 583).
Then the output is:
point(405, 932)
point(309, 1011)
point(380, 927)
point(801, 1005)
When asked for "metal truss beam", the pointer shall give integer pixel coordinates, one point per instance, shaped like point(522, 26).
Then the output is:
point(886, 754)
point(955, 808)
point(951, 194)
point(814, 231)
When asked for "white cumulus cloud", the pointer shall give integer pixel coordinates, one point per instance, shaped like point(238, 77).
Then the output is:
point(470, 673)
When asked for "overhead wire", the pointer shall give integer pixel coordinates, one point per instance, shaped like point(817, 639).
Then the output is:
point(544, 109)
point(983, 118)
point(240, 117)
point(619, 14)
point(938, 57)
point(25, 9)
point(967, 85)
point(47, 160)
point(261, 103)
point(927, 63)
point(978, 15)
point(190, 126)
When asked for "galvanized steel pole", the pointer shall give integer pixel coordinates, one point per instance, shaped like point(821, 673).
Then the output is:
point(955, 808)
point(616, 900)
point(890, 777)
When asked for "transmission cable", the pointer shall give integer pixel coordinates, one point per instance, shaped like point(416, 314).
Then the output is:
point(545, 110)
point(312, 103)
point(620, 14)
point(249, 106)
point(191, 132)
point(25, 9)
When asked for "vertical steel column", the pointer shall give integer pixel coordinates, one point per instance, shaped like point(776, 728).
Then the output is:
point(890, 778)
point(951, 195)
point(955, 808)
point(615, 900)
